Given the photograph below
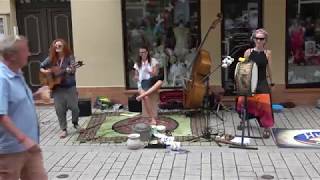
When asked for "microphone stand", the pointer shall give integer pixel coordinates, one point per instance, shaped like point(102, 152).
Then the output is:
point(206, 134)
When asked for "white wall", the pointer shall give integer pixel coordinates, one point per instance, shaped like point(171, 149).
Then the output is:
point(97, 39)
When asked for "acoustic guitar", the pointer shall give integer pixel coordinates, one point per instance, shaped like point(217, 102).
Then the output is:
point(57, 74)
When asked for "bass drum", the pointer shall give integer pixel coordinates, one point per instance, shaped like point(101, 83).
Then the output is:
point(246, 77)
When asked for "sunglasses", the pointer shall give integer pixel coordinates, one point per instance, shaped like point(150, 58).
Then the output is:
point(261, 39)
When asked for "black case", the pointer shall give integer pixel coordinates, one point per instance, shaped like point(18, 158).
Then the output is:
point(134, 105)
point(84, 107)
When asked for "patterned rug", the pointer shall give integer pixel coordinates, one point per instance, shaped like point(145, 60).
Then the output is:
point(113, 127)
point(125, 126)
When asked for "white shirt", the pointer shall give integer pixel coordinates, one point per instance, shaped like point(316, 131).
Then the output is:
point(145, 69)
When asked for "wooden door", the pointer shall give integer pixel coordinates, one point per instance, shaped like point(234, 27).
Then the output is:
point(41, 24)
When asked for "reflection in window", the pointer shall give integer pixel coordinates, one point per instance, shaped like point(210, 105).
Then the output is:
point(303, 44)
point(171, 30)
point(240, 19)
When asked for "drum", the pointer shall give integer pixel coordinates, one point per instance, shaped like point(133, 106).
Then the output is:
point(246, 77)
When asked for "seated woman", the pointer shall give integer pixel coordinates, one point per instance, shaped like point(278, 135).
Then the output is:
point(157, 85)
point(259, 105)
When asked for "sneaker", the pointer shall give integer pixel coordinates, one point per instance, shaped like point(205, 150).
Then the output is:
point(78, 128)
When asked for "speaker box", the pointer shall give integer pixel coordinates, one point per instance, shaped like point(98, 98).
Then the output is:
point(134, 105)
point(84, 107)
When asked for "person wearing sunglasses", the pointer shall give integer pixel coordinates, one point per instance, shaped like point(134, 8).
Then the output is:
point(146, 72)
point(259, 105)
point(65, 94)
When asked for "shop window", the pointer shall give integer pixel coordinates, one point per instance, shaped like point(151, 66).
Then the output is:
point(241, 17)
point(303, 43)
point(40, 1)
point(171, 31)
point(3, 25)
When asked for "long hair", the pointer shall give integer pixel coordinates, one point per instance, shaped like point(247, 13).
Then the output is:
point(139, 60)
point(54, 55)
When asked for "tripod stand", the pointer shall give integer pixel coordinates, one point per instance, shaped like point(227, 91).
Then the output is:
point(245, 122)
point(206, 112)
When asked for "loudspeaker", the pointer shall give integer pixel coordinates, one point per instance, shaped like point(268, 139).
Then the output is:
point(84, 105)
point(134, 105)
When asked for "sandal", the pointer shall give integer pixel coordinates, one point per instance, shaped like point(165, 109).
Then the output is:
point(63, 134)
point(78, 128)
point(266, 133)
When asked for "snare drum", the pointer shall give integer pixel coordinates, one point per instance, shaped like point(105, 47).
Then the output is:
point(246, 77)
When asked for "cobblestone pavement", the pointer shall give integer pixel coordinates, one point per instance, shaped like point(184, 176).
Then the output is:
point(205, 160)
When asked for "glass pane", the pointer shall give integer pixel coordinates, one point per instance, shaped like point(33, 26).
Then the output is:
point(170, 29)
point(1, 26)
point(40, 1)
point(303, 45)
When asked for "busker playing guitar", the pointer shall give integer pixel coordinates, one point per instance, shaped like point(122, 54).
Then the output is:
point(64, 94)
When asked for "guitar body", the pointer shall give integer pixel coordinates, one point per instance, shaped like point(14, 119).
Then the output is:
point(52, 79)
point(56, 76)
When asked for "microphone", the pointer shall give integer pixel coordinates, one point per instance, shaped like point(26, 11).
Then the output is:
point(227, 61)
point(224, 65)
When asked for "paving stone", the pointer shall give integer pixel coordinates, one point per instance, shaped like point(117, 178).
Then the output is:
point(204, 161)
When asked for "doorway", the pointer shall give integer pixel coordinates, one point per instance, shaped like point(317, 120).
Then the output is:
point(42, 21)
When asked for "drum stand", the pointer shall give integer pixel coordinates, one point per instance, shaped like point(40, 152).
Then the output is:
point(244, 120)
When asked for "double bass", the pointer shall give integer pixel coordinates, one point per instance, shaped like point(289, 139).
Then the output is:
point(195, 90)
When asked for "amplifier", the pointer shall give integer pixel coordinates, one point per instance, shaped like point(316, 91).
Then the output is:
point(84, 105)
point(134, 105)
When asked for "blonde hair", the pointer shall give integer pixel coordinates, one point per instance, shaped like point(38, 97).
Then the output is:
point(260, 31)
